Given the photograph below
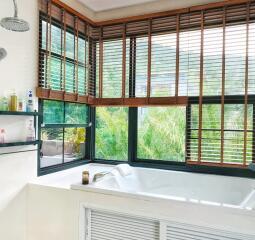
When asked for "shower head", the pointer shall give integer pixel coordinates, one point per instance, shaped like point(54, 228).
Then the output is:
point(3, 53)
point(14, 23)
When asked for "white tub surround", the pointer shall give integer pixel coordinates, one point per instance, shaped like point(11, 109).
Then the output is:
point(197, 200)
point(203, 189)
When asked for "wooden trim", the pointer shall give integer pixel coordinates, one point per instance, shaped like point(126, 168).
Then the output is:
point(60, 4)
point(246, 85)
point(85, 60)
point(170, 12)
point(131, 102)
point(177, 74)
point(124, 49)
point(201, 89)
point(62, 43)
point(88, 61)
point(149, 15)
point(64, 62)
point(60, 96)
point(223, 88)
point(217, 5)
point(101, 60)
point(76, 46)
point(70, 97)
point(169, 101)
point(136, 102)
point(48, 46)
point(149, 60)
point(211, 164)
point(107, 102)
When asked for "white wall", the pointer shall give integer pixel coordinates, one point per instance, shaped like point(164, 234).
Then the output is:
point(19, 71)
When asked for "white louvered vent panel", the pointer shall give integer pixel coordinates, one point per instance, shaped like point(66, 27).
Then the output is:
point(111, 226)
point(189, 232)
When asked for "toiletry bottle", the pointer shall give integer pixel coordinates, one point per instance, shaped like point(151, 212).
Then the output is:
point(14, 101)
point(5, 105)
point(30, 103)
point(1, 104)
point(30, 132)
point(2, 136)
point(20, 104)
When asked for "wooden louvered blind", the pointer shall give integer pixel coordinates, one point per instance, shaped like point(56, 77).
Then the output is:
point(63, 54)
point(220, 87)
point(202, 57)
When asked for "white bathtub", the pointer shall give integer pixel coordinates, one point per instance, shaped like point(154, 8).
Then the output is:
point(205, 189)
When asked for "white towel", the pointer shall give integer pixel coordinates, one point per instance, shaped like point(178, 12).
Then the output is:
point(124, 169)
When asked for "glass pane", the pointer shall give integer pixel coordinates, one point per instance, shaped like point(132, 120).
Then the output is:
point(53, 112)
point(74, 145)
point(76, 113)
point(82, 80)
point(112, 69)
point(161, 133)
point(234, 135)
point(51, 152)
point(55, 72)
point(70, 45)
point(233, 138)
point(141, 66)
point(70, 73)
point(163, 65)
point(112, 133)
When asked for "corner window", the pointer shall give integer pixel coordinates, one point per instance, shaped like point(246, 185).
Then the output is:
point(111, 133)
point(62, 133)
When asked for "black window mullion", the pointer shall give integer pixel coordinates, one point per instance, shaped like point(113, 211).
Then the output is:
point(188, 132)
point(132, 67)
point(253, 133)
point(90, 135)
point(40, 122)
point(63, 129)
point(132, 135)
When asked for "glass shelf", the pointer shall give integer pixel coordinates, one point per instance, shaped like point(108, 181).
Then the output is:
point(13, 144)
point(10, 113)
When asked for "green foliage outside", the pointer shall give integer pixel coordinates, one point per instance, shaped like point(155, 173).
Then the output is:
point(112, 133)
point(161, 133)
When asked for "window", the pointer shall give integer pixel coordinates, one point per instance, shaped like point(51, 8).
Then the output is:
point(112, 133)
point(175, 89)
point(63, 57)
point(220, 145)
point(63, 133)
point(161, 133)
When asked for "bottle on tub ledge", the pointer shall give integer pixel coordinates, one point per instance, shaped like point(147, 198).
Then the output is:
point(30, 102)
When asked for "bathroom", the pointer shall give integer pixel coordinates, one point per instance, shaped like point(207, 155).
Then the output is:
point(127, 120)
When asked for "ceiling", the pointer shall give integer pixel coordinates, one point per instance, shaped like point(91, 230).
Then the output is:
point(104, 5)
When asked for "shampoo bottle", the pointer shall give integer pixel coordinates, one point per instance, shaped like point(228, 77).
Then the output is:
point(30, 103)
